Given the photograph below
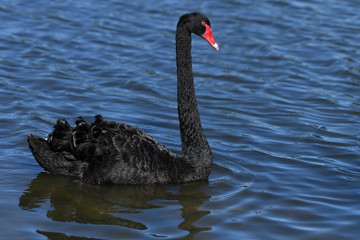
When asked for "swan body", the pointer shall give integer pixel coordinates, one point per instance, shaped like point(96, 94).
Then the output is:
point(112, 152)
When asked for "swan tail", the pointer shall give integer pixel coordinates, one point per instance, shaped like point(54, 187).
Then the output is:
point(54, 161)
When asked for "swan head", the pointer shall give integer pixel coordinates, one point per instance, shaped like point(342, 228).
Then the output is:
point(199, 24)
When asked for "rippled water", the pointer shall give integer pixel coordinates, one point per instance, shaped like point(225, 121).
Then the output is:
point(279, 102)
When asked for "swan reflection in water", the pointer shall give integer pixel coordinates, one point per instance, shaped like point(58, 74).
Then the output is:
point(74, 201)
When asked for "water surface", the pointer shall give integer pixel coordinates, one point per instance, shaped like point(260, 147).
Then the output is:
point(279, 103)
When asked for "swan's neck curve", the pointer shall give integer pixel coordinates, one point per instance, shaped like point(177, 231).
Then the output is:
point(194, 144)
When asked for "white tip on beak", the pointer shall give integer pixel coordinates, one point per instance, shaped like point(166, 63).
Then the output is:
point(216, 46)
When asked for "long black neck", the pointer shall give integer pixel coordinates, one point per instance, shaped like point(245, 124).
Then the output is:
point(194, 143)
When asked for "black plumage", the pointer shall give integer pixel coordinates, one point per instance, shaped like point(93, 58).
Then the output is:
point(106, 151)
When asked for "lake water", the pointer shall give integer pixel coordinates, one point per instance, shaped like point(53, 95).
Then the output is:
point(280, 104)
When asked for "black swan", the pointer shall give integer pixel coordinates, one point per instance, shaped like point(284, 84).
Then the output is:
point(111, 152)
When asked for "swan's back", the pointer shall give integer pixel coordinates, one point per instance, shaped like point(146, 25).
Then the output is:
point(106, 151)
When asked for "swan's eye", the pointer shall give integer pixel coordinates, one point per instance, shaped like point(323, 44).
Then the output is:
point(203, 23)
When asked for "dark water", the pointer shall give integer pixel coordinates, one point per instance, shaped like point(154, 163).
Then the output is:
point(279, 102)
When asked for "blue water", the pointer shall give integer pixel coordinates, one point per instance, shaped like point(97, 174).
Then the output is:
point(279, 103)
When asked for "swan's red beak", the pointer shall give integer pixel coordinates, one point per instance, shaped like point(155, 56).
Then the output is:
point(208, 36)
